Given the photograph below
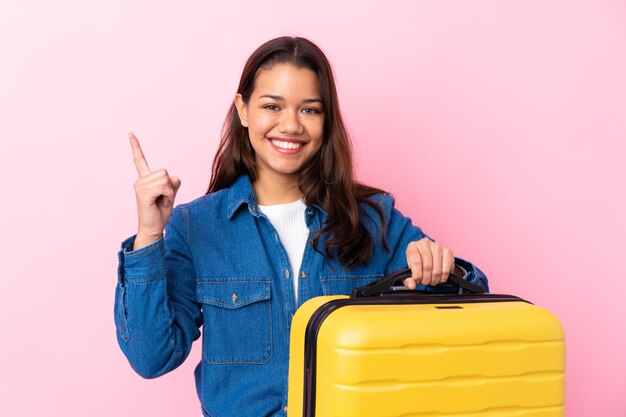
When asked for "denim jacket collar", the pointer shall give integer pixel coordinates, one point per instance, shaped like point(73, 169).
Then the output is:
point(241, 192)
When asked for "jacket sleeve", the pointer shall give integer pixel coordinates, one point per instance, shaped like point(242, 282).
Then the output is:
point(157, 316)
point(401, 231)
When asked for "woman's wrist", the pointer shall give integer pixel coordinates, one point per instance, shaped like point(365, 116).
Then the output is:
point(142, 240)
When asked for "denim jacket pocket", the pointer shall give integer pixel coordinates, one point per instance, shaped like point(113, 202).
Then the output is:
point(342, 284)
point(237, 320)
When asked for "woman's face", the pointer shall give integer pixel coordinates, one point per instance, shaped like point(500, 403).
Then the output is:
point(285, 119)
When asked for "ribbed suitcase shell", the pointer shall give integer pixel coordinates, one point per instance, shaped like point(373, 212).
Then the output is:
point(458, 358)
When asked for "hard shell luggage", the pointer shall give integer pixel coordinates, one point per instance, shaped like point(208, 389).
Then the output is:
point(387, 351)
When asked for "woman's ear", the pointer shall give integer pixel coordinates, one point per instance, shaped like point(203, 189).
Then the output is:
point(242, 109)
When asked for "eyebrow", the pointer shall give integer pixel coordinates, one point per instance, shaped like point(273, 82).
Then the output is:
point(281, 98)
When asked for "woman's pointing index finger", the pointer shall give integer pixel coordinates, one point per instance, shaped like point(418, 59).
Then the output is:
point(140, 161)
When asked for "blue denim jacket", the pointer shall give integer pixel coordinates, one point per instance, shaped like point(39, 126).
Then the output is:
point(221, 265)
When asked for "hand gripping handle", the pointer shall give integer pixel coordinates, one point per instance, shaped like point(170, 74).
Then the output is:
point(384, 285)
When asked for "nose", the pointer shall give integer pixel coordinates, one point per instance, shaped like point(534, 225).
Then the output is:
point(289, 123)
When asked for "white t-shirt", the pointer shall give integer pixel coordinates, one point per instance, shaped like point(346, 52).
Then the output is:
point(289, 221)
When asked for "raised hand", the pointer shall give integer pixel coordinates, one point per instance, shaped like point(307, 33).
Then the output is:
point(155, 192)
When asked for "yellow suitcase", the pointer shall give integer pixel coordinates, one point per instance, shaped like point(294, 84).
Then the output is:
point(388, 352)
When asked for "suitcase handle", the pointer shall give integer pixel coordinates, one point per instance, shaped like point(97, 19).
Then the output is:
point(385, 284)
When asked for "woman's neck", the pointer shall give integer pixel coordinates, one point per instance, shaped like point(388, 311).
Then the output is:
point(276, 189)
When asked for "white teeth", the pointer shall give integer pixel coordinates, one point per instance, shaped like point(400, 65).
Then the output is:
point(286, 145)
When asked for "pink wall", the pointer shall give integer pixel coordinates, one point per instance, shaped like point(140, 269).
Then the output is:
point(499, 126)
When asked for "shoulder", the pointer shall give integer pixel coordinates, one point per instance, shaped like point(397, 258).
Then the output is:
point(213, 203)
point(224, 202)
point(383, 200)
point(376, 210)
point(370, 196)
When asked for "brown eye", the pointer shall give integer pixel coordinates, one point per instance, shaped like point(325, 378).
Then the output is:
point(271, 107)
point(311, 110)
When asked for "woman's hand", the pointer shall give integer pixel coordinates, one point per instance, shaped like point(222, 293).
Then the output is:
point(155, 192)
point(429, 261)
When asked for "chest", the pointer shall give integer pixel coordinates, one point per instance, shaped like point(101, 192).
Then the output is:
point(250, 251)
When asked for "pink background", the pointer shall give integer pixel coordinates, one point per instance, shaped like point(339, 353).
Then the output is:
point(499, 126)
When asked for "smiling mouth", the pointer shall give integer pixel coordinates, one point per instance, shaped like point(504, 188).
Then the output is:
point(286, 145)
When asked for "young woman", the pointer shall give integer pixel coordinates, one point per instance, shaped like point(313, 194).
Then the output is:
point(283, 221)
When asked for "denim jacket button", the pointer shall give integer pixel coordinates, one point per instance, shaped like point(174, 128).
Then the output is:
point(286, 273)
point(234, 298)
point(303, 274)
point(285, 409)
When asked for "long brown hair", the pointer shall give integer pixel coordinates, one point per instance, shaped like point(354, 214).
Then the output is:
point(328, 179)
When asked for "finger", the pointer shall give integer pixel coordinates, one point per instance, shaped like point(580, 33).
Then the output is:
point(448, 264)
point(176, 182)
point(167, 192)
point(157, 175)
point(153, 180)
point(155, 187)
point(427, 260)
point(140, 161)
point(410, 283)
point(161, 176)
point(436, 250)
point(414, 260)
